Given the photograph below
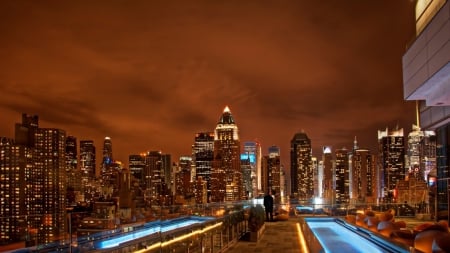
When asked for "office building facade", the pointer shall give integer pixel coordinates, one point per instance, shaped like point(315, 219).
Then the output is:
point(426, 78)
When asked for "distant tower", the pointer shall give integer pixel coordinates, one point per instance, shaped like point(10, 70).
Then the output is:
point(25, 132)
point(87, 160)
point(183, 179)
point(252, 152)
point(157, 165)
point(315, 169)
point(392, 160)
point(107, 154)
point(327, 174)
point(136, 163)
point(226, 177)
point(247, 179)
point(203, 153)
point(342, 176)
point(49, 184)
point(13, 190)
point(301, 167)
point(72, 172)
point(361, 176)
point(274, 169)
point(421, 153)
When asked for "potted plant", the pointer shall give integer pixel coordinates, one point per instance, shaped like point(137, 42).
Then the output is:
point(256, 217)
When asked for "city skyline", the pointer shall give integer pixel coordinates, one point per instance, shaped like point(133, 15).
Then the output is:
point(152, 75)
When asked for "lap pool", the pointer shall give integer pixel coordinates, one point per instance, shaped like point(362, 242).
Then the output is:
point(326, 234)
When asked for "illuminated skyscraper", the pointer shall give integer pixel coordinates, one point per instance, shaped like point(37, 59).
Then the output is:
point(252, 152)
point(327, 174)
point(203, 153)
point(12, 191)
point(247, 176)
point(392, 160)
point(361, 176)
point(49, 184)
point(301, 167)
point(342, 176)
point(136, 163)
point(274, 170)
point(157, 165)
point(315, 169)
point(421, 153)
point(107, 153)
point(73, 179)
point(87, 160)
point(183, 179)
point(226, 176)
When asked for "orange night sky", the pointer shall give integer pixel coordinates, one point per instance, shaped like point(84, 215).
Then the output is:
point(150, 74)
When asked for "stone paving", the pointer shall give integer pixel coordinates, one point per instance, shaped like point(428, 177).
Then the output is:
point(279, 236)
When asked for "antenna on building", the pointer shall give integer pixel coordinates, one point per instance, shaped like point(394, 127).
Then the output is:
point(417, 114)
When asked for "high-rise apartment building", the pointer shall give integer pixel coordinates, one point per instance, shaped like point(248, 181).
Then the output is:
point(107, 154)
point(183, 179)
point(47, 197)
point(274, 170)
point(392, 161)
point(421, 154)
point(87, 160)
point(265, 188)
point(247, 179)
point(342, 175)
point(13, 167)
point(426, 78)
point(327, 174)
point(226, 176)
point(73, 174)
point(35, 188)
point(253, 152)
point(157, 165)
point(361, 176)
point(203, 153)
point(301, 168)
point(136, 164)
point(315, 169)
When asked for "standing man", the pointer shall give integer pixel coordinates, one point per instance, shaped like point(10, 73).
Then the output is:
point(268, 205)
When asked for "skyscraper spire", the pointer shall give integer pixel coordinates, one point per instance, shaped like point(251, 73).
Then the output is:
point(355, 144)
point(226, 175)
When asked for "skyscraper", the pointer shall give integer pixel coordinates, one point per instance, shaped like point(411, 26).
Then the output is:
point(183, 179)
point(392, 161)
point(342, 176)
point(361, 176)
point(203, 152)
point(226, 176)
point(72, 173)
point(12, 191)
point(301, 167)
point(252, 153)
point(274, 169)
point(426, 78)
point(328, 174)
point(157, 165)
point(48, 193)
point(421, 153)
point(87, 160)
point(107, 154)
point(136, 163)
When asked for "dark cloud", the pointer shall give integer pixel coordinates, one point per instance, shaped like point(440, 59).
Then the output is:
point(150, 74)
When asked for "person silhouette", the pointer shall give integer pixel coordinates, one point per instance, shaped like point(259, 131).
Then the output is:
point(268, 205)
